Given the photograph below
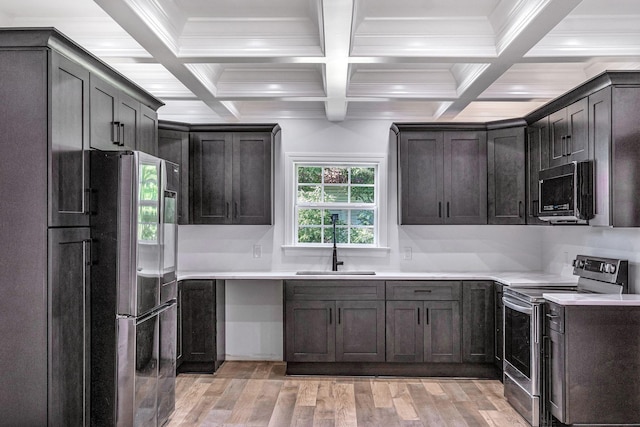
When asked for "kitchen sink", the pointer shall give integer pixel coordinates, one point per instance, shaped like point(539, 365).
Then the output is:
point(336, 273)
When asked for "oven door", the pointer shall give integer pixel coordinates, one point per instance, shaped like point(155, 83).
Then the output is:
point(522, 357)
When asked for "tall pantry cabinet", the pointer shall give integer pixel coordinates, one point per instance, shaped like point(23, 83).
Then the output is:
point(45, 257)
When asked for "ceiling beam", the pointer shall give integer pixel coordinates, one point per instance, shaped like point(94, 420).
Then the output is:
point(155, 38)
point(531, 27)
point(337, 16)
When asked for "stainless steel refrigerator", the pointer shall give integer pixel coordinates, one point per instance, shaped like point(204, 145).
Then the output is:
point(133, 288)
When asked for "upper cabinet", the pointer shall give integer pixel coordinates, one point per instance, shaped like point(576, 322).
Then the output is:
point(173, 145)
point(231, 175)
point(442, 176)
point(506, 177)
point(537, 155)
point(119, 121)
point(569, 134)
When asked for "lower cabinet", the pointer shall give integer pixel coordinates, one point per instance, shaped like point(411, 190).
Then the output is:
point(423, 331)
point(478, 322)
point(319, 327)
point(201, 318)
point(498, 336)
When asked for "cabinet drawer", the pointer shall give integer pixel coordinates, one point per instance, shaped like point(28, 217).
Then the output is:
point(424, 290)
point(555, 317)
point(333, 290)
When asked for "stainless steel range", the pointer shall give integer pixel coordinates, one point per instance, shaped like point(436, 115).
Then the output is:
point(523, 329)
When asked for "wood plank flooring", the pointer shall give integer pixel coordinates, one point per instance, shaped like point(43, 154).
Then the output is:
point(259, 394)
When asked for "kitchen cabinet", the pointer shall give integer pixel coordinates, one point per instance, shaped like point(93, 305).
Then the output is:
point(568, 136)
point(45, 136)
point(442, 176)
point(423, 321)
point(231, 177)
point(537, 159)
point(591, 348)
point(478, 322)
point(498, 332)
point(173, 145)
point(69, 329)
point(506, 175)
point(119, 121)
point(179, 326)
point(333, 321)
point(202, 317)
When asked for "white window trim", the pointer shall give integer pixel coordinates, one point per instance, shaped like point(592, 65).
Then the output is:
point(378, 159)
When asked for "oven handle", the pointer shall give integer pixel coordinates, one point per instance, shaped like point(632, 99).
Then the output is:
point(517, 307)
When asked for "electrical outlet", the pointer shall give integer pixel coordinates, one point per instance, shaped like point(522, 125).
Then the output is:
point(407, 253)
point(257, 251)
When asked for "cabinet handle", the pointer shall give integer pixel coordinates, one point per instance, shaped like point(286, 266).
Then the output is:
point(115, 132)
point(422, 290)
point(330, 315)
point(121, 134)
point(568, 142)
point(552, 316)
point(448, 210)
point(426, 316)
point(563, 143)
point(235, 210)
point(418, 315)
point(439, 209)
point(520, 210)
point(339, 316)
point(228, 210)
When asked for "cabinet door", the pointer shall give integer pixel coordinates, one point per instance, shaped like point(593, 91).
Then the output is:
point(211, 167)
point(174, 147)
point(577, 140)
point(421, 172)
point(477, 322)
point(600, 134)
point(555, 374)
point(537, 159)
point(105, 129)
point(310, 331)
point(198, 322)
point(251, 179)
point(148, 131)
point(179, 326)
point(360, 331)
point(499, 338)
point(442, 331)
point(68, 162)
point(69, 281)
point(558, 130)
point(506, 176)
point(405, 331)
point(465, 177)
point(129, 121)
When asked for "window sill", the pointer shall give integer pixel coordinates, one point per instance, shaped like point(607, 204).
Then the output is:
point(369, 251)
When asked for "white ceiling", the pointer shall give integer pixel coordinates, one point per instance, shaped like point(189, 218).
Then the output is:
point(402, 60)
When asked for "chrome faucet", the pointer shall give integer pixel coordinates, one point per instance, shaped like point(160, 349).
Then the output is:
point(335, 263)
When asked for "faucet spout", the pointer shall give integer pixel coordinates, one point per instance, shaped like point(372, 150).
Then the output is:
point(335, 263)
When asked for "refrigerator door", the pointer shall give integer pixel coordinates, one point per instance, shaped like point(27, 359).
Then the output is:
point(170, 183)
point(137, 384)
point(139, 242)
point(167, 369)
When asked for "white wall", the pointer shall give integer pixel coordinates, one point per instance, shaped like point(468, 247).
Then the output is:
point(254, 309)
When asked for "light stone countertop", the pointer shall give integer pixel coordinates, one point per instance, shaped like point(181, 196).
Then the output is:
point(513, 279)
point(594, 299)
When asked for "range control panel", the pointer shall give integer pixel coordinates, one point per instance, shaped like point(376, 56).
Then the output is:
point(608, 270)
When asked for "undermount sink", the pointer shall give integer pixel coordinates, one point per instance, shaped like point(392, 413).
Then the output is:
point(336, 273)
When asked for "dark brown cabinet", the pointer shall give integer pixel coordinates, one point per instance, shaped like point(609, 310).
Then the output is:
point(202, 332)
point(591, 348)
point(333, 321)
point(442, 176)
point(119, 121)
point(69, 283)
point(68, 161)
point(568, 135)
point(498, 353)
point(231, 177)
point(173, 145)
point(537, 159)
point(506, 176)
point(478, 322)
point(423, 321)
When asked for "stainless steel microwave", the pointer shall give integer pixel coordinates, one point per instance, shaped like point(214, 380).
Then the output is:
point(566, 193)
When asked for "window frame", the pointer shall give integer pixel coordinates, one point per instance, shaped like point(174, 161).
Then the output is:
point(379, 161)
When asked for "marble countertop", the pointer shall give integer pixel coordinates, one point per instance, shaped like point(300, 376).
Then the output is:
point(514, 279)
point(594, 299)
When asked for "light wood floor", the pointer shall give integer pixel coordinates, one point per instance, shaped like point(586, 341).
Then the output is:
point(259, 394)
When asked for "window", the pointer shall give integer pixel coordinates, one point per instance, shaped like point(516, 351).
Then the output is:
point(348, 192)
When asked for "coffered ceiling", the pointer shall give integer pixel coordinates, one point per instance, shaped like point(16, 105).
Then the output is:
point(401, 60)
